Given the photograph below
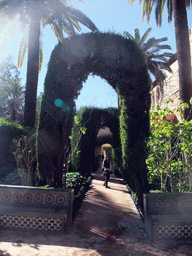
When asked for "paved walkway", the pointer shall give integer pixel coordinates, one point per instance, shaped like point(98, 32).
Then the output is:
point(107, 224)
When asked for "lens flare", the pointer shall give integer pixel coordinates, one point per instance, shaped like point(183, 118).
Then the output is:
point(60, 104)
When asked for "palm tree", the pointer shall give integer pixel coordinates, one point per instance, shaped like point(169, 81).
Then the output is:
point(156, 61)
point(178, 9)
point(35, 15)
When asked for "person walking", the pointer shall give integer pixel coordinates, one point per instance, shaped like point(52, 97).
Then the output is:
point(107, 172)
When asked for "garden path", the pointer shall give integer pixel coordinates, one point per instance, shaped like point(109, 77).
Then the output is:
point(108, 224)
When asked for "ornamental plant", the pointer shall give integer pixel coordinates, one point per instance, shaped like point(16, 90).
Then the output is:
point(25, 157)
point(78, 182)
point(170, 151)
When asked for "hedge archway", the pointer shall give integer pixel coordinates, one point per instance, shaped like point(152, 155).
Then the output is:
point(92, 119)
point(120, 62)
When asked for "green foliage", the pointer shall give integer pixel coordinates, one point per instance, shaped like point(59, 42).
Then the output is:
point(125, 70)
point(116, 157)
point(46, 186)
point(73, 179)
point(76, 138)
point(78, 182)
point(8, 132)
point(156, 60)
point(107, 150)
point(170, 152)
point(6, 123)
point(35, 16)
point(62, 19)
point(80, 185)
point(11, 91)
point(123, 131)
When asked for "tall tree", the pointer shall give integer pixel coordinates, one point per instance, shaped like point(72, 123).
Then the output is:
point(156, 60)
point(178, 9)
point(35, 15)
point(11, 91)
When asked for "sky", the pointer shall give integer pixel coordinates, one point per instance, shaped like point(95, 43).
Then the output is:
point(107, 15)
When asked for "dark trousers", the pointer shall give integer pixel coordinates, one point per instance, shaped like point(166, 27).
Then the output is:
point(107, 177)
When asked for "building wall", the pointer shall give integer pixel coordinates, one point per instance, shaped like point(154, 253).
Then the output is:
point(171, 86)
point(102, 132)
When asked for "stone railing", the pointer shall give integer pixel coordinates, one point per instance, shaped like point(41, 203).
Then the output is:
point(35, 208)
point(168, 215)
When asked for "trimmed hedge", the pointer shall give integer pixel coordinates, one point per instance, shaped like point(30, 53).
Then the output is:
point(121, 63)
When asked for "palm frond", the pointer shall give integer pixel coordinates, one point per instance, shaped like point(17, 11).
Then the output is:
point(165, 65)
point(153, 67)
point(169, 10)
point(166, 55)
point(152, 42)
point(68, 27)
point(158, 48)
point(158, 11)
point(57, 31)
point(129, 35)
point(70, 24)
point(144, 37)
point(137, 35)
point(162, 56)
point(147, 9)
point(23, 46)
point(80, 17)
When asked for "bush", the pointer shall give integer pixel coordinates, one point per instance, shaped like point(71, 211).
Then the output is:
point(170, 152)
point(81, 185)
point(78, 182)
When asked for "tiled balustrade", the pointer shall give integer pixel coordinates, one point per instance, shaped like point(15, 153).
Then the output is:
point(168, 215)
point(36, 208)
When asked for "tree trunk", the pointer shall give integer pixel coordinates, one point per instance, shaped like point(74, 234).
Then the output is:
point(32, 73)
point(183, 54)
point(13, 114)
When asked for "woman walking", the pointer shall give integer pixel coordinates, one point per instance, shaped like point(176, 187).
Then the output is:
point(107, 172)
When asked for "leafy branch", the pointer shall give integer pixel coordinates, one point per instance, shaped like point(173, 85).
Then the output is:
point(25, 157)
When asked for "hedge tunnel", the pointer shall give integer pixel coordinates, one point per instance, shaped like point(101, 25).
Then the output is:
point(92, 119)
point(120, 62)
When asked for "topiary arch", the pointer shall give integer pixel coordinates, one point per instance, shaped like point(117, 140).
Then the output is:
point(120, 62)
point(92, 119)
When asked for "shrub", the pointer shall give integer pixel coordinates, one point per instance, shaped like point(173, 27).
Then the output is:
point(170, 153)
point(78, 182)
